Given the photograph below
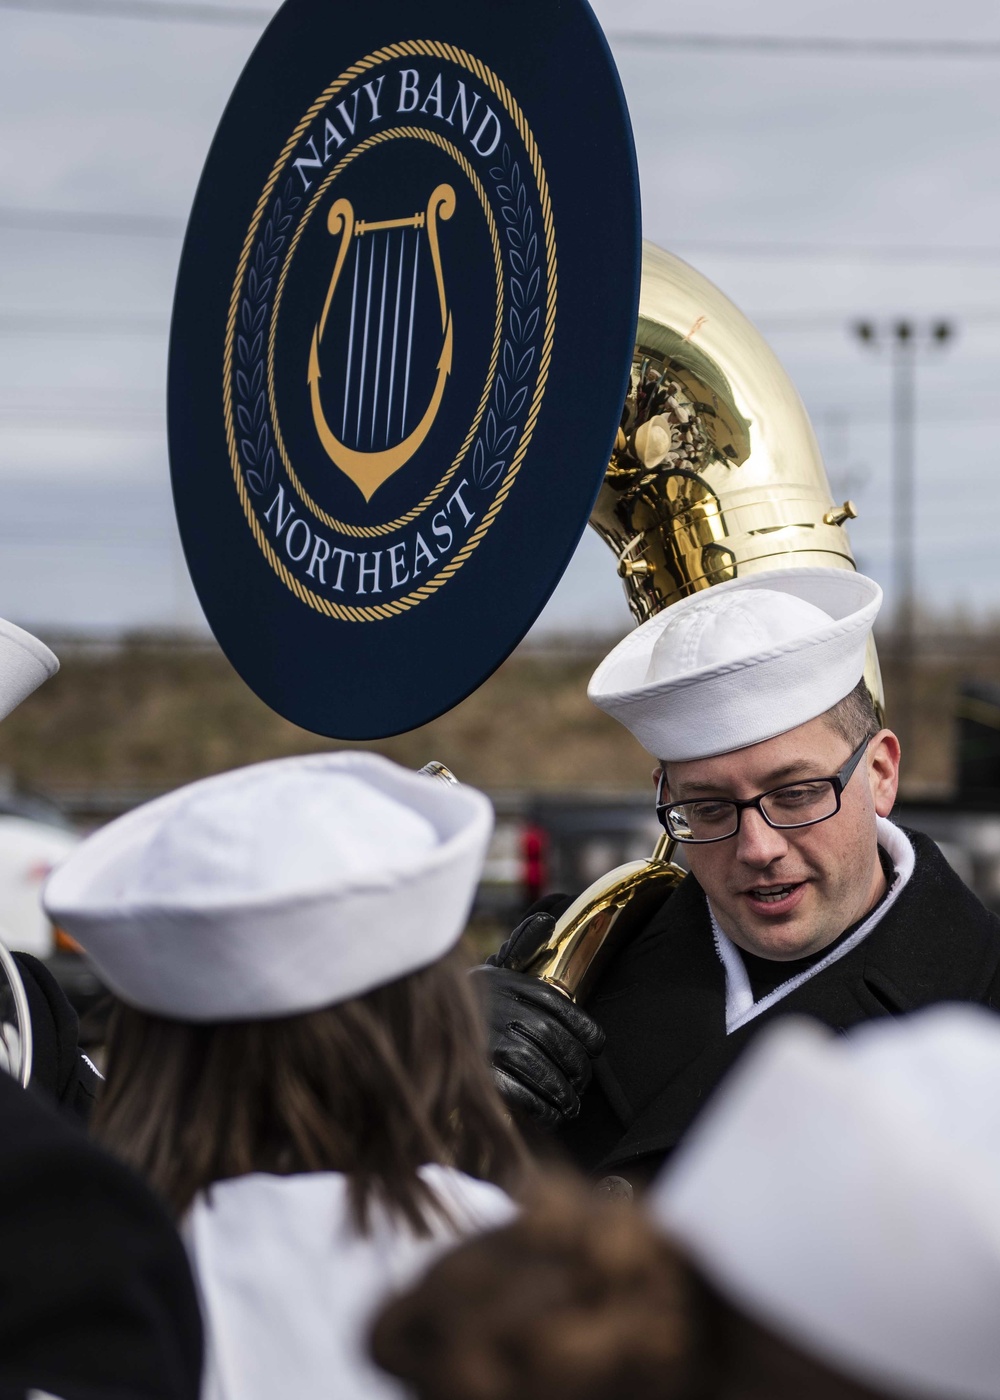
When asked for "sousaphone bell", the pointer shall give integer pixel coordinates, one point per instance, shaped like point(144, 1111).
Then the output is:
point(716, 474)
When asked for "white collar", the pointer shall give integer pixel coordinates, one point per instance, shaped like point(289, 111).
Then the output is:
point(740, 1005)
point(288, 1284)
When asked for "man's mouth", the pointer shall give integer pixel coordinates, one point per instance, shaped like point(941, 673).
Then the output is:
point(775, 898)
point(770, 893)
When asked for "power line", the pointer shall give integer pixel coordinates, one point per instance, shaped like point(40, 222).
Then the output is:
point(162, 11)
point(134, 538)
point(125, 224)
point(57, 424)
point(826, 46)
point(58, 323)
point(195, 12)
point(851, 252)
point(41, 324)
point(55, 414)
point(91, 221)
point(838, 320)
point(32, 423)
point(37, 323)
point(879, 417)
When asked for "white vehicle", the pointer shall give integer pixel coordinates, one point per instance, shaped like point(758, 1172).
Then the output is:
point(28, 851)
point(33, 839)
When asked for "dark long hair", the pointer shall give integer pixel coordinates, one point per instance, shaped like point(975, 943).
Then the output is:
point(375, 1087)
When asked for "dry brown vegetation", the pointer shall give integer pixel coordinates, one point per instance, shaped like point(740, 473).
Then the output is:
point(150, 713)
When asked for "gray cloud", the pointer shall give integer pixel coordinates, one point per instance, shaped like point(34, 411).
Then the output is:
point(734, 148)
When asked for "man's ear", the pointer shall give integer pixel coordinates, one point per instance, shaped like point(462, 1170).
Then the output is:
point(883, 771)
point(656, 775)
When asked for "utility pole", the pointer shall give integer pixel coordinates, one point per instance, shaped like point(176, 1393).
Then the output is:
point(905, 340)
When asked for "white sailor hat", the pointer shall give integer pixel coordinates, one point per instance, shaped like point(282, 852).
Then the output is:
point(275, 889)
point(845, 1193)
point(741, 662)
point(25, 663)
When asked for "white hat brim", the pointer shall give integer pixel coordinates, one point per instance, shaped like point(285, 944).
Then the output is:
point(196, 959)
point(832, 1191)
point(717, 709)
point(25, 663)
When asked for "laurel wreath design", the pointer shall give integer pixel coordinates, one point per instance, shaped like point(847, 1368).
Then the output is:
point(256, 444)
point(510, 390)
point(326, 606)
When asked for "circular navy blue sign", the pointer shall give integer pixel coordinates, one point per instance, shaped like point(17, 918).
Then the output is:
point(402, 334)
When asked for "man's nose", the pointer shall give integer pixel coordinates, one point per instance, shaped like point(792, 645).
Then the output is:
point(757, 843)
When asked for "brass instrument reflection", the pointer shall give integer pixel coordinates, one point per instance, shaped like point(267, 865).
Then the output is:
point(715, 473)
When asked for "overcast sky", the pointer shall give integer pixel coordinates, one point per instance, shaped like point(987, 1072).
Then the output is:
point(813, 188)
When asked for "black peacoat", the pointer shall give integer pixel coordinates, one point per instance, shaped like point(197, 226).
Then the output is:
point(662, 1005)
point(96, 1296)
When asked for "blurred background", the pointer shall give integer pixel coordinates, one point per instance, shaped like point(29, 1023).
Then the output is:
point(832, 167)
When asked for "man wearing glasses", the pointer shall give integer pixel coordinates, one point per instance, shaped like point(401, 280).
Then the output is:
point(777, 780)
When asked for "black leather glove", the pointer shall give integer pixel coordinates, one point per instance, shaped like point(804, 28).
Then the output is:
point(540, 1043)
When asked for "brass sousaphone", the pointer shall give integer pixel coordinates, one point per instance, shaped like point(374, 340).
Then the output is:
point(716, 474)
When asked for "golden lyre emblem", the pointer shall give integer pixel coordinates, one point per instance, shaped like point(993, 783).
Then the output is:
point(375, 437)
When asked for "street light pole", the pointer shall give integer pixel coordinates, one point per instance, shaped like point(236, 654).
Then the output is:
point(904, 523)
point(905, 339)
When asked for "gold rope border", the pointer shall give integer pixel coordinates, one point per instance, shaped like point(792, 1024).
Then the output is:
point(433, 138)
point(427, 48)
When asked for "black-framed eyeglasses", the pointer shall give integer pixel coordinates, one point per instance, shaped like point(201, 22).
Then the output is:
point(811, 800)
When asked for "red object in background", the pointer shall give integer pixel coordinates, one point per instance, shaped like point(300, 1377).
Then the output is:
point(534, 870)
point(64, 942)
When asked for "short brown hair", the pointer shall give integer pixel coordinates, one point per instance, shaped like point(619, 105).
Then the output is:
point(578, 1299)
point(855, 716)
point(374, 1087)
